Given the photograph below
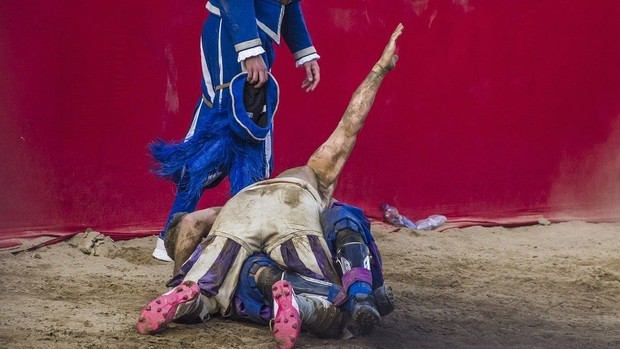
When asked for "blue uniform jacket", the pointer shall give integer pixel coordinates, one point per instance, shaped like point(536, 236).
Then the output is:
point(244, 18)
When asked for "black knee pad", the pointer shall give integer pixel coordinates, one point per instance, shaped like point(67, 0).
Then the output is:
point(347, 235)
point(265, 280)
point(351, 251)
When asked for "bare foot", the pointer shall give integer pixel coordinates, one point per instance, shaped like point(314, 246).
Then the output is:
point(388, 59)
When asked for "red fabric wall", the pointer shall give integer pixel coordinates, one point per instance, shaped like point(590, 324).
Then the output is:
point(498, 111)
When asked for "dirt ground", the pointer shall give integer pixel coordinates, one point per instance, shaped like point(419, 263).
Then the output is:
point(555, 286)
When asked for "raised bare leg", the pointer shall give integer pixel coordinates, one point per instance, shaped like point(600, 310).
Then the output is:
point(329, 159)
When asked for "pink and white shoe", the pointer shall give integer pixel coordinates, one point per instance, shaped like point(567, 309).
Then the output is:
point(159, 312)
point(286, 321)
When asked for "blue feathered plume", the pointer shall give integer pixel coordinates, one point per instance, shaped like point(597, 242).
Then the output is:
point(213, 150)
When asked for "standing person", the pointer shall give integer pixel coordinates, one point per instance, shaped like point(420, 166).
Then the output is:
point(279, 217)
point(231, 132)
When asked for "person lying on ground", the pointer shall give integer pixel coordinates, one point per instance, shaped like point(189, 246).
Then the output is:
point(352, 247)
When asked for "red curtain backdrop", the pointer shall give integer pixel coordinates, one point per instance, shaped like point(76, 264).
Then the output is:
point(498, 112)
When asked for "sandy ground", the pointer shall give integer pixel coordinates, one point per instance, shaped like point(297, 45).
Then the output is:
point(554, 286)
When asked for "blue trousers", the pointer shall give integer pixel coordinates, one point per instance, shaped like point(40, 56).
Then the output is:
point(211, 151)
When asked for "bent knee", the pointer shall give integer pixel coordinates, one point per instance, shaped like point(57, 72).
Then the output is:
point(189, 222)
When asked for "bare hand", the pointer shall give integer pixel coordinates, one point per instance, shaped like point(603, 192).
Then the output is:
point(257, 70)
point(313, 75)
point(388, 58)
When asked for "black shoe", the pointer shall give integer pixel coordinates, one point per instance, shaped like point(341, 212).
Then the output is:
point(384, 299)
point(365, 314)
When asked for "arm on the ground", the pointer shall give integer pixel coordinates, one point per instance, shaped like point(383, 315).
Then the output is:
point(329, 159)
